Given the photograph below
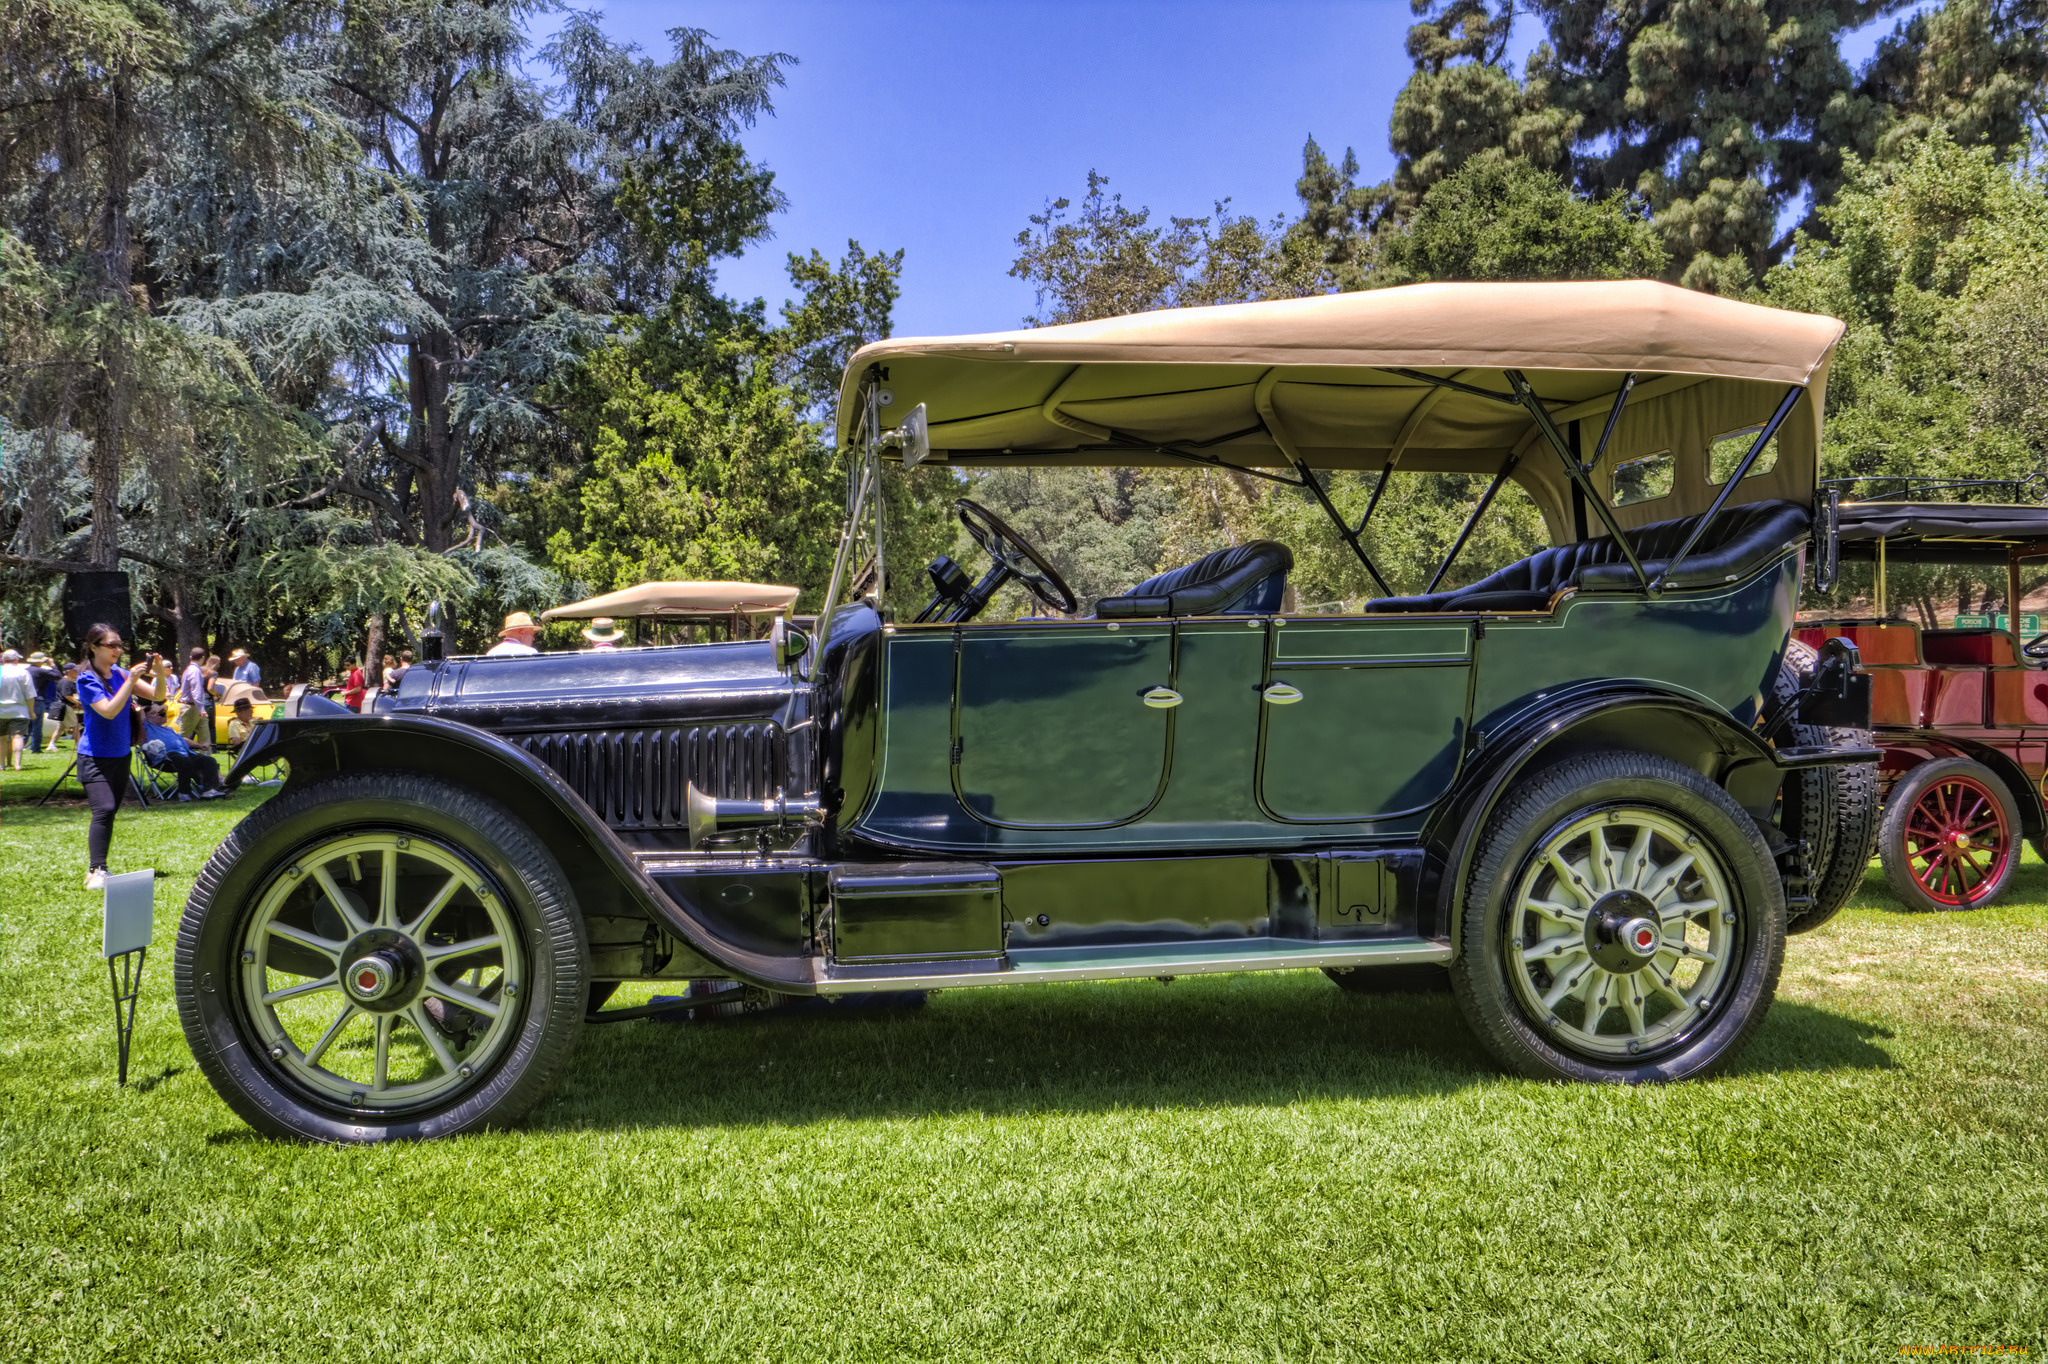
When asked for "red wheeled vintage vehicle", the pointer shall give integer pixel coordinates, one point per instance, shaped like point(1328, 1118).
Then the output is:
point(1960, 698)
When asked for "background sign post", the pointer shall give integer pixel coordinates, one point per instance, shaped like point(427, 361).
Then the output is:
point(126, 926)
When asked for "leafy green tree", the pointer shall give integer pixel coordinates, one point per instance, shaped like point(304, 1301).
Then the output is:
point(1339, 217)
point(698, 478)
point(1108, 260)
point(710, 445)
point(1507, 220)
point(1934, 261)
point(1722, 117)
point(132, 441)
point(1463, 103)
point(495, 224)
point(1973, 68)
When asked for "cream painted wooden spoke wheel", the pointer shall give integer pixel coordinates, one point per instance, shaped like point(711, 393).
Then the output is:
point(1620, 932)
point(382, 970)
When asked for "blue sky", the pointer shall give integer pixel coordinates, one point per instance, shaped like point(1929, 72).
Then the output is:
point(940, 127)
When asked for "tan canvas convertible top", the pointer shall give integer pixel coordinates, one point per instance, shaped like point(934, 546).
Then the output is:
point(1254, 383)
point(657, 600)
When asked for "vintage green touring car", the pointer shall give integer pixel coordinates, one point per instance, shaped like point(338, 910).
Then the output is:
point(1594, 786)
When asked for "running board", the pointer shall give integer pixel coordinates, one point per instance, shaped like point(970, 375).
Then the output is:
point(1025, 965)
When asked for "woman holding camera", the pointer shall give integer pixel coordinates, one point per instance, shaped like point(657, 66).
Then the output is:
point(106, 695)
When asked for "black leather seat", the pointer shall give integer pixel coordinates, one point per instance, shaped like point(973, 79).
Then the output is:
point(1243, 580)
point(1742, 540)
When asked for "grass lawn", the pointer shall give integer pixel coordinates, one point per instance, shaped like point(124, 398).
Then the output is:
point(1250, 1168)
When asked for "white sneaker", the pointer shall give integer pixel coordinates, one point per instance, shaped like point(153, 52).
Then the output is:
point(96, 879)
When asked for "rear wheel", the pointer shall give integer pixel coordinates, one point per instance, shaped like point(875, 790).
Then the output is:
point(1951, 836)
point(380, 955)
point(1623, 922)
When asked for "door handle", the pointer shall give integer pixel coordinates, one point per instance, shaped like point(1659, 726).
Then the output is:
point(1160, 698)
point(1280, 693)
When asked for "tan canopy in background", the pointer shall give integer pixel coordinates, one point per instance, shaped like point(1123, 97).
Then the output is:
point(1251, 383)
point(655, 600)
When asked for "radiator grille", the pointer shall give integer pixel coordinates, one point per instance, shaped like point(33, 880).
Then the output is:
point(635, 778)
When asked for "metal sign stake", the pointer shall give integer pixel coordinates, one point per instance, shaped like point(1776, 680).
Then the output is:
point(126, 926)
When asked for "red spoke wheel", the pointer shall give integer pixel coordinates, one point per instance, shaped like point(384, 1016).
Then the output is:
point(1951, 836)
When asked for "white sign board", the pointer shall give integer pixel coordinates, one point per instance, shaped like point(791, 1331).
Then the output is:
point(130, 914)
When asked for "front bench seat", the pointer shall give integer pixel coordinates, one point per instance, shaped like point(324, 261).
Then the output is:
point(1742, 540)
point(1243, 580)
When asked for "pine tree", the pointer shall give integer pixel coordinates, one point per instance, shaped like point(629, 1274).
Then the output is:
point(487, 231)
point(1722, 115)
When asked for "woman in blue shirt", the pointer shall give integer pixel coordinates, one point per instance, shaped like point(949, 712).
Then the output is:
point(106, 693)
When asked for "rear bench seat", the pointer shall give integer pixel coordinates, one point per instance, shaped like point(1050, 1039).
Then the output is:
point(1742, 540)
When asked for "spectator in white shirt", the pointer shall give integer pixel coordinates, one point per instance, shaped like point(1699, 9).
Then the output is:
point(17, 706)
point(517, 637)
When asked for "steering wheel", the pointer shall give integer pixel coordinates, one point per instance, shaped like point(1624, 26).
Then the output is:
point(2037, 647)
point(1017, 558)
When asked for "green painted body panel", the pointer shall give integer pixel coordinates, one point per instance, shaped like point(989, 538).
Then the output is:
point(1051, 728)
point(1390, 707)
point(1380, 726)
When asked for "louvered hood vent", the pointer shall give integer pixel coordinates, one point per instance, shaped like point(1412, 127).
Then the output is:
point(635, 778)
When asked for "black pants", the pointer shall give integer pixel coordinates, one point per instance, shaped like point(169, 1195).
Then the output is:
point(106, 785)
point(196, 772)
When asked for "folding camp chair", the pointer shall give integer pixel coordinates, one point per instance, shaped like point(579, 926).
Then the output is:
point(153, 785)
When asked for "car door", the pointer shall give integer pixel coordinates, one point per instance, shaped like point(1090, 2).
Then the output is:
point(1062, 725)
point(1362, 719)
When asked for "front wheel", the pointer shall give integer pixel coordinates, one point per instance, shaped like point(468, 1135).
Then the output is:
point(378, 956)
point(1951, 836)
point(1623, 922)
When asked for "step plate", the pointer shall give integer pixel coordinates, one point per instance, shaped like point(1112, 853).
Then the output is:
point(1028, 965)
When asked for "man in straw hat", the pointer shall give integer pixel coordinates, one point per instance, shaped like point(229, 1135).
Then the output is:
point(245, 667)
point(604, 633)
point(516, 638)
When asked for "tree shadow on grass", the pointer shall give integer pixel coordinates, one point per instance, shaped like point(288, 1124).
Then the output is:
point(1216, 1043)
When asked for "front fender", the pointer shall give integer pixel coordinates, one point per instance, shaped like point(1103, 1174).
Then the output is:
point(1631, 716)
point(602, 870)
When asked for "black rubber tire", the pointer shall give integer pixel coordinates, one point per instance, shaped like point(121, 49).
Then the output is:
point(1546, 801)
point(1891, 846)
point(1407, 978)
point(1835, 809)
point(526, 877)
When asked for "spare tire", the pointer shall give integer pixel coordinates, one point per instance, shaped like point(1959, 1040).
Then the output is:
point(1835, 809)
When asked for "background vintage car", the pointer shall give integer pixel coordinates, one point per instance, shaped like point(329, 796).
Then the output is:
point(226, 693)
point(1595, 786)
point(1960, 708)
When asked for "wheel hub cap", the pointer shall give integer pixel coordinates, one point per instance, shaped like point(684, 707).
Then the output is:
point(384, 971)
point(371, 979)
point(1622, 933)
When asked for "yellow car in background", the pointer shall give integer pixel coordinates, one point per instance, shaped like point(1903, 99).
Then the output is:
point(225, 696)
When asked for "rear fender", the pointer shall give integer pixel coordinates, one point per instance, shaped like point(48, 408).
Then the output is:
point(1632, 717)
point(606, 877)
